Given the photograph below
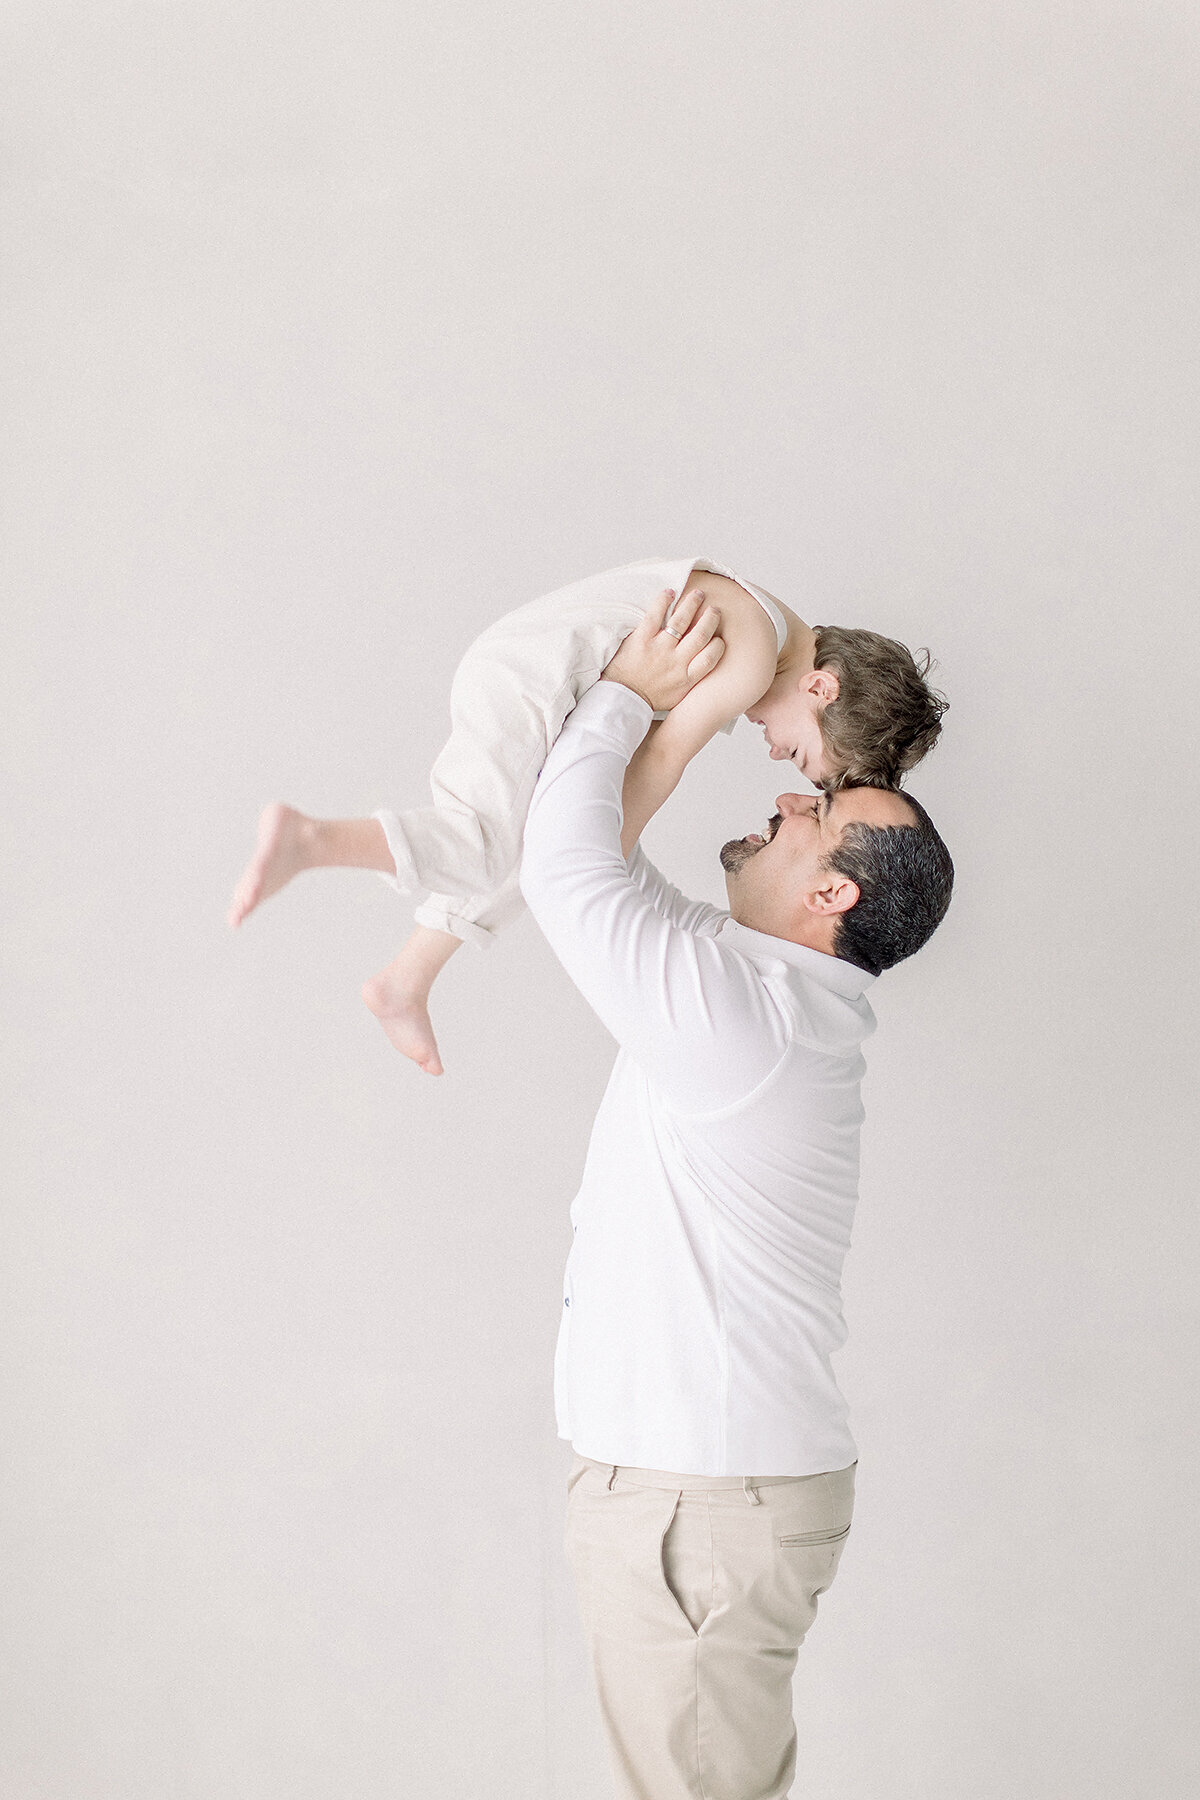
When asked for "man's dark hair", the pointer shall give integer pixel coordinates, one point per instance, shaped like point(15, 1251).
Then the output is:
point(904, 877)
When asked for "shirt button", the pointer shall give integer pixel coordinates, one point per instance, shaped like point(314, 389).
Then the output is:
point(566, 1303)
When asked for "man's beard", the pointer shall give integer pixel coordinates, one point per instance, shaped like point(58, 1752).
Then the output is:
point(736, 854)
point(738, 851)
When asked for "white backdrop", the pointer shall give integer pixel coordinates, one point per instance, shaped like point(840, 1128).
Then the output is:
point(331, 331)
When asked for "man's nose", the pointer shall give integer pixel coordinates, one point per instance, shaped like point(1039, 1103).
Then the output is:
point(791, 804)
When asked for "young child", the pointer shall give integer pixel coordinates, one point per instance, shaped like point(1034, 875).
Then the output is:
point(843, 705)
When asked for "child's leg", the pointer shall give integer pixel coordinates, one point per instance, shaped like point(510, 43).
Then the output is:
point(399, 995)
point(289, 841)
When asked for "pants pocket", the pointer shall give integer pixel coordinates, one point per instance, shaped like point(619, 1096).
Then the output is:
point(687, 1563)
point(615, 1544)
point(814, 1537)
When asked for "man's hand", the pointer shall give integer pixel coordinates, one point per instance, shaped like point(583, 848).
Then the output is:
point(675, 646)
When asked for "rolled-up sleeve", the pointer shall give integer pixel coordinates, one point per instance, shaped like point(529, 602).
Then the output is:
point(693, 1012)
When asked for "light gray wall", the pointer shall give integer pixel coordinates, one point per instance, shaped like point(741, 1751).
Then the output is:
point(332, 331)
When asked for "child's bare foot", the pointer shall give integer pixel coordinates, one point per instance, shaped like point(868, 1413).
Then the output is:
point(405, 1018)
point(284, 840)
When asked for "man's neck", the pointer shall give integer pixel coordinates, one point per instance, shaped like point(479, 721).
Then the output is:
point(812, 931)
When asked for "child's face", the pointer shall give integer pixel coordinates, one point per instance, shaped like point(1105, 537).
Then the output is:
point(790, 715)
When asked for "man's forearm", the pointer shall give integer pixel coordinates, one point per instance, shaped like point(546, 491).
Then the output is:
point(572, 829)
point(689, 1011)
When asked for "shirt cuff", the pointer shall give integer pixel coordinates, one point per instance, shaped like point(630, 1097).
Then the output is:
point(622, 716)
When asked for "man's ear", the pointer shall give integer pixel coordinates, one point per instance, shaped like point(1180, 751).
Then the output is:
point(837, 895)
point(822, 684)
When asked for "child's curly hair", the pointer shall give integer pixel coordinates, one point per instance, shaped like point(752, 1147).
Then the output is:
point(886, 716)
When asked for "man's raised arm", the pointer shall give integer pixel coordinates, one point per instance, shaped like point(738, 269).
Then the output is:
point(693, 1012)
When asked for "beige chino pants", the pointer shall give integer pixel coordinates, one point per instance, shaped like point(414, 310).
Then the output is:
point(696, 1592)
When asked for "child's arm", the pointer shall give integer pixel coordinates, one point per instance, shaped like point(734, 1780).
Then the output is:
point(742, 676)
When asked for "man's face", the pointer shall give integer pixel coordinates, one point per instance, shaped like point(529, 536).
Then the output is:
point(781, 876)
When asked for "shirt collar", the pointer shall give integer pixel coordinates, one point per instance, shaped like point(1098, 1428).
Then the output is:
point(832, 972)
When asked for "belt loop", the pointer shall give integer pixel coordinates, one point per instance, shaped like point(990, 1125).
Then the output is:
point(751, 1493)
point(612, 1478)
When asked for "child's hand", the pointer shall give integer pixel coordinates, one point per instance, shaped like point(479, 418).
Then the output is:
point(675, 646)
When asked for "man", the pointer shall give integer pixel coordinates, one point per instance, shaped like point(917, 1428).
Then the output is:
point(712, 1486)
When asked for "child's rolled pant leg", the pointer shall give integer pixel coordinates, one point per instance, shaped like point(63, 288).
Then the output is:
point(469, 841)
point(476, 919)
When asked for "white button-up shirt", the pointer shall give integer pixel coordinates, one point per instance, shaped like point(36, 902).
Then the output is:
point(701, 1303)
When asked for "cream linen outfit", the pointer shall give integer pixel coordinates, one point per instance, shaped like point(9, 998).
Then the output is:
point(511, 692)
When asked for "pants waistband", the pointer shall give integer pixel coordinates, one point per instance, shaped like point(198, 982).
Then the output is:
point(666, 1478)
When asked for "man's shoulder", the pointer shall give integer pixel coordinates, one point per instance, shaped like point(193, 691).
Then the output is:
point(822, 998)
